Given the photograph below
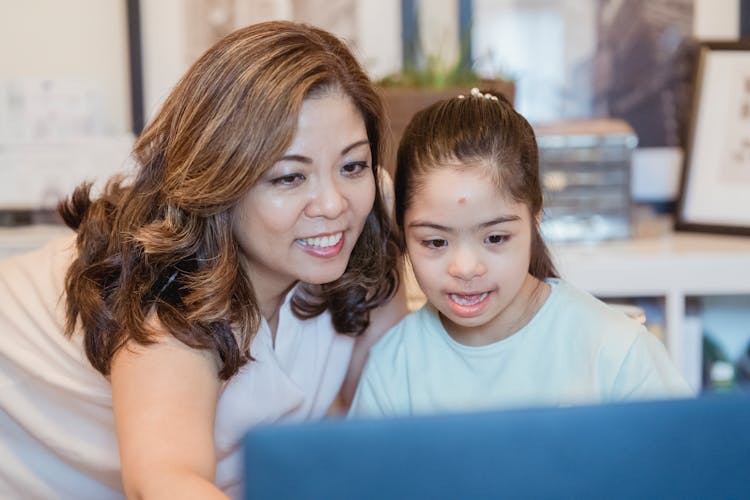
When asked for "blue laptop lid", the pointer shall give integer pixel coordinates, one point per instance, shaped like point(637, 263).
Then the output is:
point(693, 448)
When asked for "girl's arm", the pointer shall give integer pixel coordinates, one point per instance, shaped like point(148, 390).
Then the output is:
point(164, 397)
point(382, 319)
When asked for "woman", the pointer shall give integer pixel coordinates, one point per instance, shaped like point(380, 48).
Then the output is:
point(207, 295)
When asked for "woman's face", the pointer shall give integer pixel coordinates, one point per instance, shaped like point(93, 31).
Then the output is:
point(300, 221)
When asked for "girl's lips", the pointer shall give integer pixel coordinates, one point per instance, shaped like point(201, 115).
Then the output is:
point(467, 305)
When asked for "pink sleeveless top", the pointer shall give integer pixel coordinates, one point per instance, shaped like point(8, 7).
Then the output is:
point(57, 435)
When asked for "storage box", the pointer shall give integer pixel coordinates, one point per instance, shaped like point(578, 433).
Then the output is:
point(585, 174)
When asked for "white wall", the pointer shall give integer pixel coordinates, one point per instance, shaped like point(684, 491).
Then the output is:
point(76, 41)
point(716, 19)
point(87, 40)
point(165, 44)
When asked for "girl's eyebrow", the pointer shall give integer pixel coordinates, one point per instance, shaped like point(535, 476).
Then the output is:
point(305, 159)
point(482, 225)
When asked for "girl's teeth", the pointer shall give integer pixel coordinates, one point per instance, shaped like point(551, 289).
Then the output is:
point(323, 241)
point(468, 300)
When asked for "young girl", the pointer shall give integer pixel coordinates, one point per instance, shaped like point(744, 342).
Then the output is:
point(500, 329)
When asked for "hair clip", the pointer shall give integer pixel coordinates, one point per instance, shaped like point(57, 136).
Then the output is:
point(476, 93)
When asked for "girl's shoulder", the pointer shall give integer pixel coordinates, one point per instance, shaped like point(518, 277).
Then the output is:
point(570, 306)
point(415, 329)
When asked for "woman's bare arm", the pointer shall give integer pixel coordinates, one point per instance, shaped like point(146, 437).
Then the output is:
point(381, 320)
point(164, 397)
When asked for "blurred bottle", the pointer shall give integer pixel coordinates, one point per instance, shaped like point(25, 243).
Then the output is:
point(718, 371)
point(722, 377)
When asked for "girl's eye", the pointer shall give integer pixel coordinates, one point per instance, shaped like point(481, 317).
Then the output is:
point(288, 180)
point(496, 239)
point(354, 168)
point(435, 243)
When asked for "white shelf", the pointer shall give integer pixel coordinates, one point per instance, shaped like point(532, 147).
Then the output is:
point(37, 174)
point(691, 263)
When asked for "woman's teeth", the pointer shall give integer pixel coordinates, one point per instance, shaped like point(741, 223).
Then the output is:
point(322, 241)
point(468, 300)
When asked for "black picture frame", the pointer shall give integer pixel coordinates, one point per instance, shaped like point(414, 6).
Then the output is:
point(714, 194)
point(135, 61)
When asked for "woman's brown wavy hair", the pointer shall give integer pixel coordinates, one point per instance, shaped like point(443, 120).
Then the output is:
point(162, 244)
point(474, 132)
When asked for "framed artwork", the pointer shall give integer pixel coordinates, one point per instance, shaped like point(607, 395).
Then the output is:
point(135, 61)
point(715, 189)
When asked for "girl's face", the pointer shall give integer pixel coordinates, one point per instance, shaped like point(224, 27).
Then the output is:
point(470, 248)
point(300, 221)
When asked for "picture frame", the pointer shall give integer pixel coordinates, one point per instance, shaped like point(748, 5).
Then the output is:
point(714, 193)
point(135, 63)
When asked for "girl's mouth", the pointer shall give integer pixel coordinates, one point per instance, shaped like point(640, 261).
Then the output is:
point(468, 305)
point(468, 300)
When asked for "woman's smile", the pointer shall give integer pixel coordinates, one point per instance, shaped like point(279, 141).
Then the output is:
point(325, 246)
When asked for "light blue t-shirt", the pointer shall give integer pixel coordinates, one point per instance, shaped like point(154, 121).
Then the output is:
point(575, 350)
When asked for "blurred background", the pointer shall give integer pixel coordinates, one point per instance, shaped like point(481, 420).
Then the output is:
point(610, 86)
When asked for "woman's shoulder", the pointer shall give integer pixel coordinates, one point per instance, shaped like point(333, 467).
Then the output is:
point(45, 265)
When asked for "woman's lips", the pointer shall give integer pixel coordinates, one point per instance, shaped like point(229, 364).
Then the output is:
point(325, 246)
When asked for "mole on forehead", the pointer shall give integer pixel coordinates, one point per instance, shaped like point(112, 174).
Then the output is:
point(462, 200)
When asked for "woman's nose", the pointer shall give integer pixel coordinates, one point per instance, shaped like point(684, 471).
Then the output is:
point(327, 200)
point(466, 263)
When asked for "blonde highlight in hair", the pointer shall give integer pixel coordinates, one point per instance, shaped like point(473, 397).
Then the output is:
point(163, 244)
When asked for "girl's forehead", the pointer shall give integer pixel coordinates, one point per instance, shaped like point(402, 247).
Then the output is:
point(461, 182)
point(459, 193)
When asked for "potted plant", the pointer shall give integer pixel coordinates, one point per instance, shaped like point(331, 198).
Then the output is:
point(427, 79)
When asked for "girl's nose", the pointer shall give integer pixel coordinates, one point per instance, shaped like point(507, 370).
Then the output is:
point(466, 263)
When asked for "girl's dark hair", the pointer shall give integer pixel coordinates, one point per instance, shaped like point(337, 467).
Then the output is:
point(475, 132)
point(162, 245)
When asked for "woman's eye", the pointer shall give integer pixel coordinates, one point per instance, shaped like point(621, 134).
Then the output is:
point(435, 243)
point(288, 180)
point(496, 239)
point(354, 168)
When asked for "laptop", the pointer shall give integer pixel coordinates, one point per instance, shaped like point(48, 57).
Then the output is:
point(689, 448)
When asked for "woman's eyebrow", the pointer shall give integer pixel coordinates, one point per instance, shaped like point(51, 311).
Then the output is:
point(355, 145)
point(305, 159)
point(299, 158)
